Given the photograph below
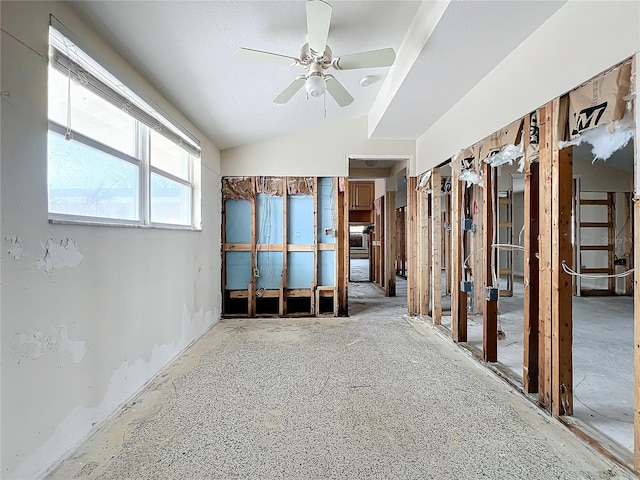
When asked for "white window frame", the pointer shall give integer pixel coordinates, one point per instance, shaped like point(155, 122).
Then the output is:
point(142, 156)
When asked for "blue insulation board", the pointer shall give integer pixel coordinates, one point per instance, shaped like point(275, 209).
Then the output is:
point(300, 269)
point(270, 267)
point(326, 268)
point(300, 221)
point(238, 221)
point(268, 219)
point(326, 210)
point(238, 269)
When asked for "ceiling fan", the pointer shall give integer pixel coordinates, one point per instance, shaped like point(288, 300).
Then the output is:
point(316, 57)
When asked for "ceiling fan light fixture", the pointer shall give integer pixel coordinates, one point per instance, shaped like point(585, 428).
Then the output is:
point(315, 85)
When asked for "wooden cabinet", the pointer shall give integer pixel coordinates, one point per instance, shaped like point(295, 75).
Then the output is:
point(361, 195)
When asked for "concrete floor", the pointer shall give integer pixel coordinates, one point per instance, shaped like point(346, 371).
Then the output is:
point(602, 358)
point(376, 395)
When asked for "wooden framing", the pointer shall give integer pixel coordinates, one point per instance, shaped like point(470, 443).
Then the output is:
point(490, 306)
point(316, 293)
point(562, 287)
point(390, 244)
point(254, 255)
point(436, 247)
point(531, 274)
point(636, 261)
point(458, 298)
point(413, 298)
point(343, 248)
point(476, 250)
point(424, 253)
point(547, 139)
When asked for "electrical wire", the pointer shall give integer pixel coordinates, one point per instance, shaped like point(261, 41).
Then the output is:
point(573, 273)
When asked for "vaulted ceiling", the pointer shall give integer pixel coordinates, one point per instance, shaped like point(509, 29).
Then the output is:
point(187, 50)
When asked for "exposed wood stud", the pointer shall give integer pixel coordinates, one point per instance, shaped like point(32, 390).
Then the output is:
point(490, 310)
point(458, 298)
point(531, 274)
point(636, 273)
point(424, 253)
point(436, 242)
point(390, 244)
point(315, 242)
point(562, 288)
point(544, 245)
point(254, 258)
point(413, 299)
point(283, 299)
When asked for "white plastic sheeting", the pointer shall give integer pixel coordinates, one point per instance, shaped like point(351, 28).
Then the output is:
point(508, 154)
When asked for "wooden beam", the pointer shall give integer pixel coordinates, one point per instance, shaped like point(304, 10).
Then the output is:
point(344, 245)
point(475, 251)
point(490, 306)
point(531, 274)
point(413, 298)
point(254, 258)
point(436, 247)
point(544, 245)
point(337, 259)
point(390, 244)
point(562, 283)
point(283, 285)
point(636, 273)
point(458, 298)
point(315, 243)
point(424, 253)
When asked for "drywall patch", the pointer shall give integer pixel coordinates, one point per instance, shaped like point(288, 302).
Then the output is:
point(33, 344)
point(16, 250)
point(59, 255)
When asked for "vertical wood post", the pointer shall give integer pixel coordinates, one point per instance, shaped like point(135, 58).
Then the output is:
point(254, 257)
point(490, 310)
point(458, 298)
point(413, 300)
point(315, 245)
point(390, 244)
point(436, 249)
point(544, 264)
point(635, 78)
point(476, 243)
point(531, 274)
point(283, 286)
point(424, 252)
point(562, 288)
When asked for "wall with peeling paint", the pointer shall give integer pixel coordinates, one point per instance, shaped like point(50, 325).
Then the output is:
point(89, 314)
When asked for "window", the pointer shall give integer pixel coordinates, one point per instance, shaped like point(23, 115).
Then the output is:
point(112, 158)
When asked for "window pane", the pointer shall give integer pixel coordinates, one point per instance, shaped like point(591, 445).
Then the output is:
point(169, 157)
point(88, 182)
point(90, 115)
point(170, 201)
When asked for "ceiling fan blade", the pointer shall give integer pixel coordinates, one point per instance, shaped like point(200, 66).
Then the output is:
point(318, 20)
point(338, 92)
point(251, 54)
point(373, 58)
point(288, 93)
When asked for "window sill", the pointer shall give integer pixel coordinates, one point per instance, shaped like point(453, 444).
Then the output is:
point(94, 223)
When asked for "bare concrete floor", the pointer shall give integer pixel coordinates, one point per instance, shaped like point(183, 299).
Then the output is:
point(602, 358)
point(376, 395)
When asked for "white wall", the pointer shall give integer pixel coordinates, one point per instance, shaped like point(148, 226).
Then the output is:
point(78, 342)
point(321, 151)
point(581, 40)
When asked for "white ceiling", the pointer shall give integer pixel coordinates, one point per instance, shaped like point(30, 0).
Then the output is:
point(186, 49)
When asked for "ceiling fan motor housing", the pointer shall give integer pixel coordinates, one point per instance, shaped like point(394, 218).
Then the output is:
point(308, 57)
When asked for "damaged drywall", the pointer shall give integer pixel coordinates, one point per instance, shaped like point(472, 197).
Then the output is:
point(606, 139)
point(16, 250)
point(34, 344)
point(59, 255)
point(129, 378)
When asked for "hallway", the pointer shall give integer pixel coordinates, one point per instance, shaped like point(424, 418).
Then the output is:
point(376, 395)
